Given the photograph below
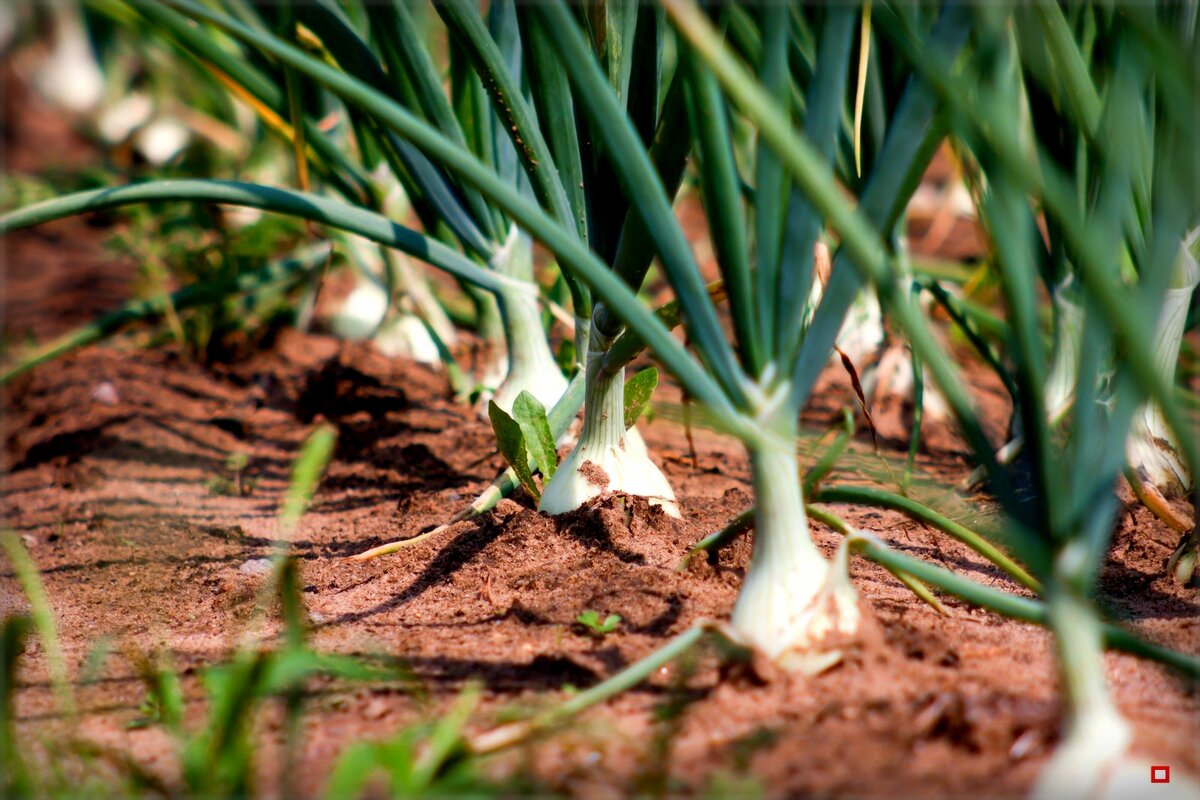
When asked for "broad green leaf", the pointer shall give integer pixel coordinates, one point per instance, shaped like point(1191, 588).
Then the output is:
point(511, 443)
point(539, 442)
point(638, 390)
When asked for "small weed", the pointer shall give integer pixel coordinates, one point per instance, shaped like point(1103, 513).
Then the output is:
point(590, 619)
point(235, 483)
point(149, 713)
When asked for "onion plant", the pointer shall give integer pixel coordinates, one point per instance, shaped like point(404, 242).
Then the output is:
point(791, 601)
point(468, 168)
point(758, 387)
point(765, 229)
point(1152, 452)
point(382, 47)
point(1157, 464)
point(1117, 202)
point(70, 76)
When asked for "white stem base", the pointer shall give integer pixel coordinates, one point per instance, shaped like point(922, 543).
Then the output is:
point(406, 336)
point(1064, 366)
point(403, 337)
point(70, 77)
point(591, 471)
point(1093, 761)
point(1149, 449)
point(862, 335)
point(118, 122)
point(792, 599)
point(605, 460)
point(893, 379)
point(162, 140)
point(531, 365)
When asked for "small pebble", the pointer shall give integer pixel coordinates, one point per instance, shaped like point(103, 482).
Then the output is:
point(1026, 744)
point(256, 566)
point(106, 394)
point(376, 709)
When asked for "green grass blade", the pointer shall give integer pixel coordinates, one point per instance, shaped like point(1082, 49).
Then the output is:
point(445, 740)
point(502, 27)
point(513, 733)
point(745, 38)
point(880, 498)
point(556, 111)
point(1020, 608)
point(42, 614)
point(307, 470)
point(294, 91)
point(15, 780)
point(829, 455)
point(864, 62)
point(636, 250)
point(610, 29)
point(429, 182)
point(971, 320)
point(1081, 97)
point(862, 244)
point(473, 112)
point(646, 93)
point(1008, 221)
point(1039, 178)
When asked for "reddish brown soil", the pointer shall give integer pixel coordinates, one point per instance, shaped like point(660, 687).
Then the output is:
point(116, 504)
point(122, 496)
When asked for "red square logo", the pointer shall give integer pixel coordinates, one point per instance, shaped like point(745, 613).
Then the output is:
point(1160, 774)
